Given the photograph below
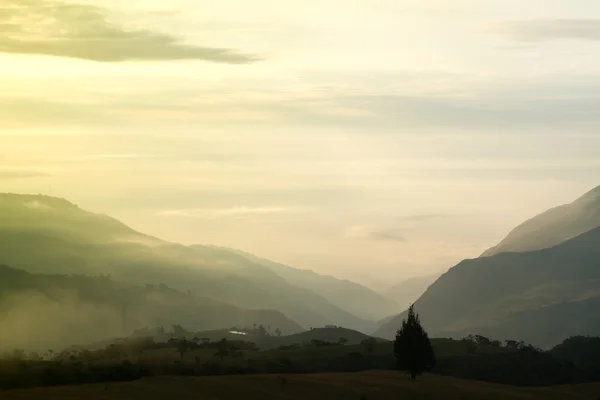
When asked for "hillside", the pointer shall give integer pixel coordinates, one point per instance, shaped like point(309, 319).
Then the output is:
point(527, 295)
point(553, 226)
point(357, 299)
point(54, 311)
point(331, 335)
point(48, 235)
point(366, 385)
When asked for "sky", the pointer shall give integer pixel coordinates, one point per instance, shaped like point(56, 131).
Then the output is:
point(374, 140)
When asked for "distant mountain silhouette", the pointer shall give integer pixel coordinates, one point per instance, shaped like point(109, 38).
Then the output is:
point(357, 299)
point(541, 296)
point(43, 234)
point(407, 292)
point(553, 226)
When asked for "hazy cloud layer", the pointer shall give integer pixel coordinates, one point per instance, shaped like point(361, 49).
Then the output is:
point(425, 217)
point(384, 235)
point(55, 28)
point(232, 212)
point(17, 174)
point(388, 235)
point(539, 30)
point(535, 102)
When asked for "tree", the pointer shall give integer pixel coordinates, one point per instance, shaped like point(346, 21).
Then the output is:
point(482, 340)
point(342, 341)
point(278, 332)
point(412, 348)
point(262, 331)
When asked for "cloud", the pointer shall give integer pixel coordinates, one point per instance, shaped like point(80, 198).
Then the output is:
point(19, 174)
point(386, 235)
point(424, 217)
point(539, 30)
point(119, 156)
point(556, 101)
point(231, 212)
point(55, 28)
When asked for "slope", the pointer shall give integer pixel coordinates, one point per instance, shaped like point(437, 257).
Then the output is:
point(553, 226)
point(529, 296)
point(42, 311)
point(49, 235)
point(357, 299)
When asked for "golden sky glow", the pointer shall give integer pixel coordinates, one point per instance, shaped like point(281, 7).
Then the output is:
point(369, 139)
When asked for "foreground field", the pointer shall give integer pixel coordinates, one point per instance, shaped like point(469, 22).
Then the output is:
point(374, 385)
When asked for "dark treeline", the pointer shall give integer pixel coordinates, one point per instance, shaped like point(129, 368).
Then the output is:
point(573, 361)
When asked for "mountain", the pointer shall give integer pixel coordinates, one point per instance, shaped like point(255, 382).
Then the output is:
point(357, 299)
point(554, 226)
point(42, 311)
point(43, 234)
point(541, 296)
point(407, 292)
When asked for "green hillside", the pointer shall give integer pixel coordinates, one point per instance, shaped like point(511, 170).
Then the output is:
point(48, 235)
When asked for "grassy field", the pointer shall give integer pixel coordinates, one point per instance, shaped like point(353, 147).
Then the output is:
point(374, 385)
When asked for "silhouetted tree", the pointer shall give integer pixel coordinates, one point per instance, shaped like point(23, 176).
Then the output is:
point(278, 332)
point(412, 348)
point(342, 341)
point(482, 340)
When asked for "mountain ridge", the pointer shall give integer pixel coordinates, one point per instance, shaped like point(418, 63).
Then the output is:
point(484, 294)
point(42, 234)
point(359, 300)
point(553, 226)
point(503, 291)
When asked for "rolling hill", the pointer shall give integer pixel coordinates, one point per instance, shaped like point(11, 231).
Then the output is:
point(43, 234)
point(541, 296)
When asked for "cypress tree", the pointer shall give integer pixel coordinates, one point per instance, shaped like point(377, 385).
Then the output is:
point(412, 348)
